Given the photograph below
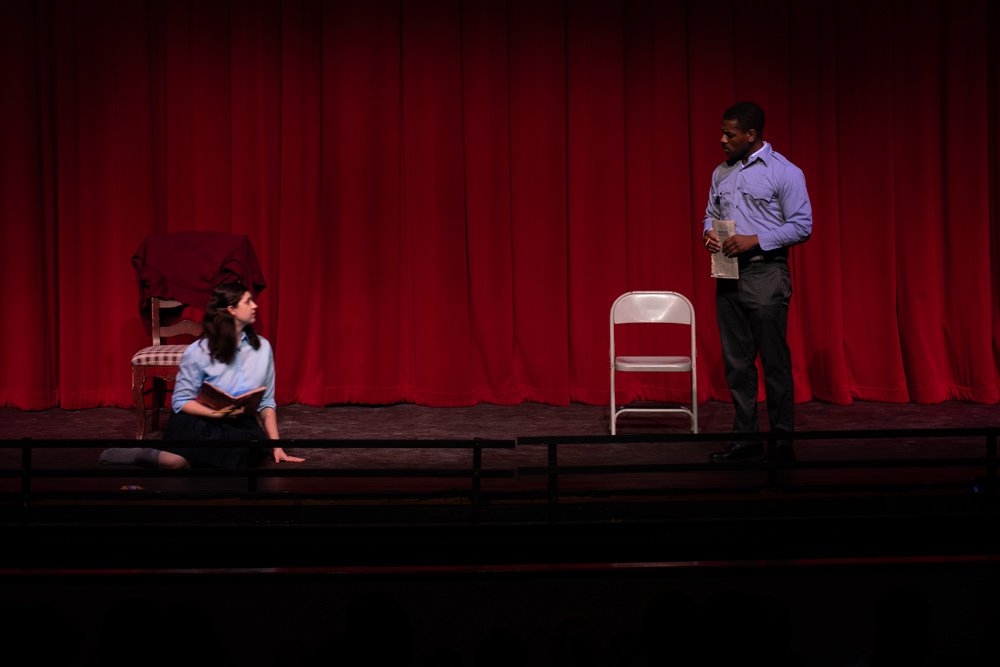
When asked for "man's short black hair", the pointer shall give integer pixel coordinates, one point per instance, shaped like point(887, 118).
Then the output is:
point(748, 116)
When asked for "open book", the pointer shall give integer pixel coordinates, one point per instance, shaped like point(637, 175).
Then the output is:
point(217, 399)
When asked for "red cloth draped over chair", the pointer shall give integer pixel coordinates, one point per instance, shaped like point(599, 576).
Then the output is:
point(186, 266)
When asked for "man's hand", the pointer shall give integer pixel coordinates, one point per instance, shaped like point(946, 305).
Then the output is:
point(711, 240)
point(280, 455)
point(738, 244)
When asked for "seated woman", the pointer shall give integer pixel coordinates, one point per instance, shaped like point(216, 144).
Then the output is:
point(231, 357)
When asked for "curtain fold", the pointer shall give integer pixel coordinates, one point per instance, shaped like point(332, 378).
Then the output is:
point(446, 197)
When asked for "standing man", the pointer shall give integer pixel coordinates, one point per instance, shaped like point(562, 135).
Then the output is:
point(766, 196)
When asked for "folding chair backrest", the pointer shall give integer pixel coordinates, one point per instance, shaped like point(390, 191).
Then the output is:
point(652, 307)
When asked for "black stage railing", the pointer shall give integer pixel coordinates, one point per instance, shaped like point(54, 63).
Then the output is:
point(466, 481)
point(555, 499)
point(986, 464)
point(28, 472)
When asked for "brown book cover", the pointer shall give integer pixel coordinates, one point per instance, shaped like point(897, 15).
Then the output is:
point(222, 401)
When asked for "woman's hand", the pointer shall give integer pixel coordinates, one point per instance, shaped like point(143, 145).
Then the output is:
point(234, 412)
point(195, 408)
point(280, 455)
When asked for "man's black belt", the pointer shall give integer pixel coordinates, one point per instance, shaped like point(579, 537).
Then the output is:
point(779, 255)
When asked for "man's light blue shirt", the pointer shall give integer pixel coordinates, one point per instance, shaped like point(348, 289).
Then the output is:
point(767, 196)
point(250, 369)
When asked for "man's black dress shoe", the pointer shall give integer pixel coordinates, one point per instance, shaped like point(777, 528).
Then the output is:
point(741, 451)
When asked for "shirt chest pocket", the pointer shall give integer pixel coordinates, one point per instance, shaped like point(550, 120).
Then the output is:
point(722, 202)
point(762, 192)
point(758, 196)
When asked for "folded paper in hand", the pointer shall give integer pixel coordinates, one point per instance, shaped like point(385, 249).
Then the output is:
point(722, 266)
point(222, 401)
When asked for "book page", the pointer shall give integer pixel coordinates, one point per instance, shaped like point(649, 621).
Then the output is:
point(722, 266)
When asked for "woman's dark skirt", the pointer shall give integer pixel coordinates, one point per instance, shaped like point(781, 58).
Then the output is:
point(184, 428)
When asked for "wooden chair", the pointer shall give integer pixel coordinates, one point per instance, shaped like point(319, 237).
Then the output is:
point(159, 362)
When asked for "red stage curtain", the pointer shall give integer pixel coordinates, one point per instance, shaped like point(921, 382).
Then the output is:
point(446, 196)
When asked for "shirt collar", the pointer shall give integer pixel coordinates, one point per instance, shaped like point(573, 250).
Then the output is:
point(763, 154)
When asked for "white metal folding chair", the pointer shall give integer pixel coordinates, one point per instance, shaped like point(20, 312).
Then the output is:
point(654, 308)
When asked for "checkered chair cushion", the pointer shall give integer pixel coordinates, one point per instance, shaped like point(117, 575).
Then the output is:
point(159, 355)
